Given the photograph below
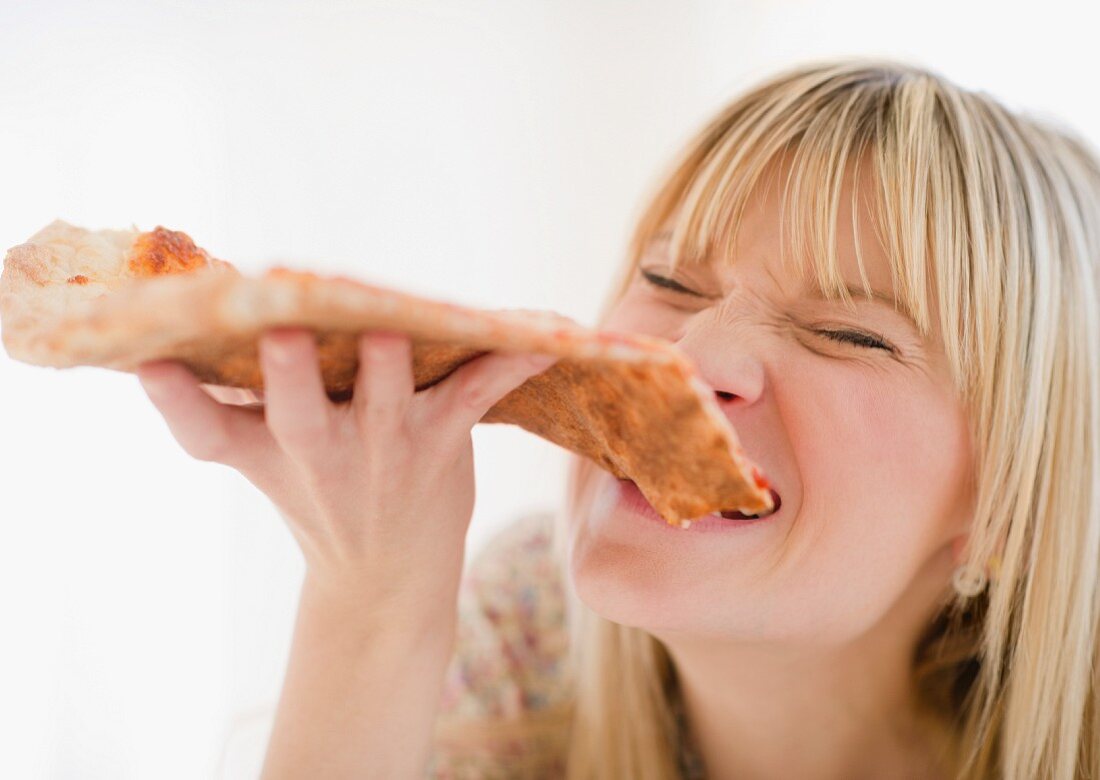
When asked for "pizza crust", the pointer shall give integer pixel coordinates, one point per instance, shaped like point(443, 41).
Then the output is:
point(631, 403)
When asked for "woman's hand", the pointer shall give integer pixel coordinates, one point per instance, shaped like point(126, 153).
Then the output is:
point(378, 492)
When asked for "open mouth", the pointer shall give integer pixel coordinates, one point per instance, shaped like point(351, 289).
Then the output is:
point(729, 519)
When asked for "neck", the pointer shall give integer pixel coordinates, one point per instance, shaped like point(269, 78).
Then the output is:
point(813, 712)
point(809, 718)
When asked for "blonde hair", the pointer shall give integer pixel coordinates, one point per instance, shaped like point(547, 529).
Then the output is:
point(995, 217)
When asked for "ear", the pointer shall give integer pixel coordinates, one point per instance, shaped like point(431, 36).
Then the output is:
point(958, 548)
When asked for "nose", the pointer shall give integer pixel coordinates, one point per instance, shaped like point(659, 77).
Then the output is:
point(736, 374)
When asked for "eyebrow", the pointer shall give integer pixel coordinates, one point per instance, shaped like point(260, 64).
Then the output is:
point(857, 291)
point(859, 294)
point(879, 298)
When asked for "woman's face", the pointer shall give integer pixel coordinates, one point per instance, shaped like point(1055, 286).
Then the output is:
point(864, 439)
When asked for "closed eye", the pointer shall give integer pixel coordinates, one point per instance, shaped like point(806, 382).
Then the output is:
point(858, 338)
point(855, 337)
point(668, 284)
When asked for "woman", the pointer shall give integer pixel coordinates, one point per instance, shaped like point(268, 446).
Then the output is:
point(891, 285)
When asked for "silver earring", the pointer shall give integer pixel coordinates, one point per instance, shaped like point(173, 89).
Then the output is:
point(967, 584)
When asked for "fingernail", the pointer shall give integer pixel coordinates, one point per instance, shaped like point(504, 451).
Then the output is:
point(150, 382)
point(277, 353)
point(541, 361)
point(151, 368)
point(378, 348)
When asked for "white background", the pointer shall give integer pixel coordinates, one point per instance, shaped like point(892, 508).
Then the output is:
point(493, 154)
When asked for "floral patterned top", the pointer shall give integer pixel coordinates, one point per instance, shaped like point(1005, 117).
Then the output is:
point(512, 640)
point(511, 645)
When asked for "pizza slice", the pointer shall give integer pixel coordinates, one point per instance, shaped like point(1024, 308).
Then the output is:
point(632, 404)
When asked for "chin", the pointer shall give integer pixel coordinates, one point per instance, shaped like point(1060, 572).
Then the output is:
point(637, 572)
point(667, 594)
point(636, 587)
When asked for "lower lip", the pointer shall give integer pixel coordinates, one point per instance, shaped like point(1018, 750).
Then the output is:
point(631, 498)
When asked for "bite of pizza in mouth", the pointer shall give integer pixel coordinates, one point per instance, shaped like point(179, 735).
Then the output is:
point(734, 514)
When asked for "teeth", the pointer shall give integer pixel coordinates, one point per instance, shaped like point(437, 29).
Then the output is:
point(775, 500)
point(720, 516)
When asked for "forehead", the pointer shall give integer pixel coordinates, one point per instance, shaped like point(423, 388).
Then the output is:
point(762, 236)
point(761, 244)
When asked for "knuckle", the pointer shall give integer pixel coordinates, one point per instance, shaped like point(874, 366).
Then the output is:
point(421, 417)
point(384, 413)
point(298, 426)
point(528, 364)
point(483, 392)
point(303, 436)
point(381, 443)
point(382, 409)
point(320, 477)
point(294, 418)
point(443, 448)
point(319, 473)
point(384, 443)
point(476, 395)
point(215, 446)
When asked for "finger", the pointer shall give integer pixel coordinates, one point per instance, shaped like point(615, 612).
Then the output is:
point(296, 408)
point(384, 380)
point(206, 429)
point(462, 399)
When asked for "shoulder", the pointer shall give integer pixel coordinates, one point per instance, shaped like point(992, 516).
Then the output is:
point(511, 638)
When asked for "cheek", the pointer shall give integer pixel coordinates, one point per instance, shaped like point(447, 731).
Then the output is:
point(887, 443)
point(883, 461)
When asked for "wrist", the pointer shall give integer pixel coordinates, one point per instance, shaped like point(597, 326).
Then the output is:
point(355, 605)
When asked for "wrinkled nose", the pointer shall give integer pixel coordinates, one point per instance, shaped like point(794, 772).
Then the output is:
point(735, 373)
point(729, 360)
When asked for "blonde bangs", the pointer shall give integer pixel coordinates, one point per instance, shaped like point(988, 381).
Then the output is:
point(884, 137)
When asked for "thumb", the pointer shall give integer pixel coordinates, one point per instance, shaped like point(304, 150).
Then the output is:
point(463, 398)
